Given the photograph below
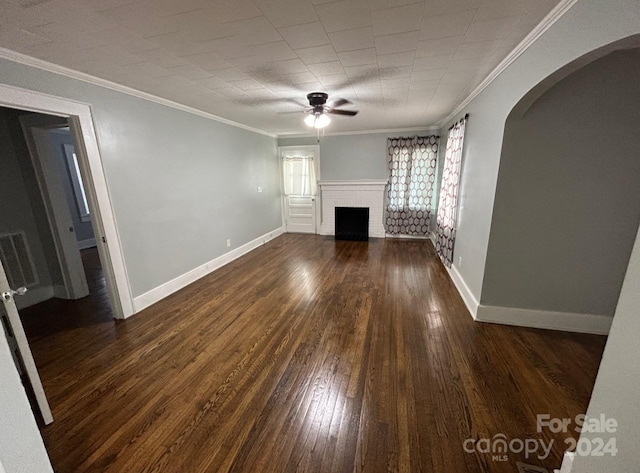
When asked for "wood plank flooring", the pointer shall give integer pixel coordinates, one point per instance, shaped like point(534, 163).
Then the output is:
point(306, 355)
point(59, 315)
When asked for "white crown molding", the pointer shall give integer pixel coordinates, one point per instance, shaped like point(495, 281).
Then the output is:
point(430, 128)
point(20, 58)
point(546, 23)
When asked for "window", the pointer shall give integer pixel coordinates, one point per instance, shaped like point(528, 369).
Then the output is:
point(412, 169)
point(76, 181)
point(299, 175)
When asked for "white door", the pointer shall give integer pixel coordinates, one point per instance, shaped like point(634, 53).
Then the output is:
point(36, 131)
point(300, 214)
point(18, 339)
point(299, 170)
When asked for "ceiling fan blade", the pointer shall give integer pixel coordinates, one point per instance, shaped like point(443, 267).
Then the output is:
point(370, 75)
point(297, 102)
point(306, 110)
point(339, 103)
point(349, 113)
point(258, 101)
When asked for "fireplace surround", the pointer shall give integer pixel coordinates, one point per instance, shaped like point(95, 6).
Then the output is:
point(369, 194)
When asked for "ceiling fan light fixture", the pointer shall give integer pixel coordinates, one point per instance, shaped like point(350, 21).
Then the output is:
point(322, 121)
point(317, 120)
point(310, 119)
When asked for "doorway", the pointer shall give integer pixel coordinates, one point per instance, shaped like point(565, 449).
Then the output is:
point(300, 171)
point(47, 241)
point(107, 236)
point(56, 266)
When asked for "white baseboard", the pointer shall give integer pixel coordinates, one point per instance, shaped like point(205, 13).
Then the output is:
point(565, 321)
point(34, 296)
point(467, 296)
point(154, 295)
point(408, 237)
point(88, 243)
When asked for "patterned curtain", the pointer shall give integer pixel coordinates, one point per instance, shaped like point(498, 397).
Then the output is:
point(448, 204)
point(412, 170)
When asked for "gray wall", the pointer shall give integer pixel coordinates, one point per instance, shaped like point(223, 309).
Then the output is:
point(588, 25)
point(180, 184)
point(615, 394)
point(21, 447)
point(59, 138)
point(567, 203)
point(353, 157)
point(361, 156)
point(21, 207)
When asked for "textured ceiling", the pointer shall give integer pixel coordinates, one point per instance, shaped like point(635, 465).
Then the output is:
point(403, 63)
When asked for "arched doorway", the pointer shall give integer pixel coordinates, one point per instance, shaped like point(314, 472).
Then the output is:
point(567, 203)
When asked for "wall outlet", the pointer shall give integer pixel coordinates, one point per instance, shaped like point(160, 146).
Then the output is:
point(259, 188)
point(460, 261)
point(228, 243)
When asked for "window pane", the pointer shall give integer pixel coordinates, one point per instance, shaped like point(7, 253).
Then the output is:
point(82, 199)
point(76, 180)
point(299, 176)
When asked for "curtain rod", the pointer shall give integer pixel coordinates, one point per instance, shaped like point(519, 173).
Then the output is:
point(466, 117)
point(412, 137)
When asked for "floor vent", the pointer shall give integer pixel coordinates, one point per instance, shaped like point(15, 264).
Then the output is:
point(17, 261)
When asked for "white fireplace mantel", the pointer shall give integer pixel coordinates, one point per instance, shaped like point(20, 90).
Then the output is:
point(357, 193)
point(368, 182)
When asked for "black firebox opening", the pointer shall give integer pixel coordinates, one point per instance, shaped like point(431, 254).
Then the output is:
point(352, 223)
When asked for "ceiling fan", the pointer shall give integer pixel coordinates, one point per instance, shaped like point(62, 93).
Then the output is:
point(318, 109)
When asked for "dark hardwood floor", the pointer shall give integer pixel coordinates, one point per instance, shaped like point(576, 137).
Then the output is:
point(305, 355)
point(58, 315)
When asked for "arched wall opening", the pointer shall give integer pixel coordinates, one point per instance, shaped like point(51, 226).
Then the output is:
point(567, 202)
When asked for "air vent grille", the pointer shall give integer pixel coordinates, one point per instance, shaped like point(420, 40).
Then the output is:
point(17, 261)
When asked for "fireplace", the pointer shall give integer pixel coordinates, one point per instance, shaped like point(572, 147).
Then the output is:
point(352, 223)
point(369, 194)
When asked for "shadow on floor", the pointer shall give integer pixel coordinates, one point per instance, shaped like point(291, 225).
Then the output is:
point(57, 315)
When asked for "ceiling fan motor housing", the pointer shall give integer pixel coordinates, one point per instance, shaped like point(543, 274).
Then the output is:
point(317, 101)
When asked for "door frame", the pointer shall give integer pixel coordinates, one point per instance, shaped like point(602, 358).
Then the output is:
point(316, 163)
point(56, 206)
point(91, 169)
